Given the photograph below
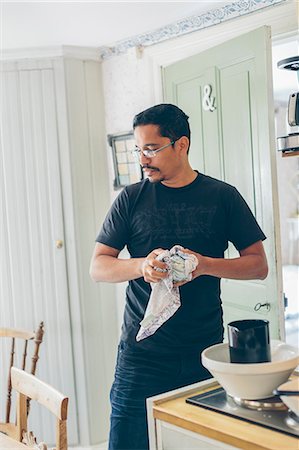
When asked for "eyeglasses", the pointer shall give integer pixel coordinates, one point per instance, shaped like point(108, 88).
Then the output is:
point(147, 152)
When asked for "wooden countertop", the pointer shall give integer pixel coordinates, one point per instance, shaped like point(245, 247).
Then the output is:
point(229, 430)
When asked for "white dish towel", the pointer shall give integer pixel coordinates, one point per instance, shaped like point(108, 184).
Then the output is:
point(165, 297)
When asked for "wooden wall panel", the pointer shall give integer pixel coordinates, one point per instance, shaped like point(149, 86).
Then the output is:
point(88, 162)
point(34, 284)
point(55, 187)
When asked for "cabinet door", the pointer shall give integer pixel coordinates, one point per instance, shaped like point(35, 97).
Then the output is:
point(33, 283)
point(171, 437)
point(234, 141)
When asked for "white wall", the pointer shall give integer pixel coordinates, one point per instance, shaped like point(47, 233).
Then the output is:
point(95, 322)
point(128, 89)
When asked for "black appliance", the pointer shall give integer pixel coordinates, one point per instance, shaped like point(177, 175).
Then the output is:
point(270, 413)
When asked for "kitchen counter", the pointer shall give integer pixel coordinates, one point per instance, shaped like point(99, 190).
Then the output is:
point(177, 425)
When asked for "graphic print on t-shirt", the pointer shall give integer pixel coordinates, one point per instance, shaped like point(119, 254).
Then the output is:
point(178, 220)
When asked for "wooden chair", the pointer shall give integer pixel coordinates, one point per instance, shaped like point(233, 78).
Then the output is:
point(36, 337)
point(30, 387)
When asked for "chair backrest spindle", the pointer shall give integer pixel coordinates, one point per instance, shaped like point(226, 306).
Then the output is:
point(38, 339)
point(8, 401)
point(24, 355)
point(18, 334)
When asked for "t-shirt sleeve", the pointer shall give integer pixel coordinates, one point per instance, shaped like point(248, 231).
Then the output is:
point(243, 229)
point(115, 231)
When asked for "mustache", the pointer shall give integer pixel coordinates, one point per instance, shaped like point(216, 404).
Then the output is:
point(147, 166)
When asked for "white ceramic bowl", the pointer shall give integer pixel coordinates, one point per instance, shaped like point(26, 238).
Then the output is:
point(292, 401)
point(251, 381)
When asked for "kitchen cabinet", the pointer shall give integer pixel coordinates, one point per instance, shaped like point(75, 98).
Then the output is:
point(176, 425)
point(55, 190)
point(172, 437)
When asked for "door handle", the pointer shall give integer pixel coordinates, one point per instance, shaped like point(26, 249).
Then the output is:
point(285, 301)
point(258, 306)
point(59, 243)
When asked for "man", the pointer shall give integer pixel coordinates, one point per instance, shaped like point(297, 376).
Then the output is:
point(173, 205)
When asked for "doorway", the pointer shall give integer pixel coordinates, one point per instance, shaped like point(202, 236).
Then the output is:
point(239, 132)
point(285, 82)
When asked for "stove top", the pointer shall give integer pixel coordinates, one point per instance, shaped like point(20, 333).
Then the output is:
point(270, 413)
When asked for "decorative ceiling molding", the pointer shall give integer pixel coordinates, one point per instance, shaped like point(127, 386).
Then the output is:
point(66, 51)
point(187, 25)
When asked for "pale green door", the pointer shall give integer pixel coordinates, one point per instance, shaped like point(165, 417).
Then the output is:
point(227, 93)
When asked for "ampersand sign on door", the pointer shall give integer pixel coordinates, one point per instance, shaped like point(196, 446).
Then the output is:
point(207, 99)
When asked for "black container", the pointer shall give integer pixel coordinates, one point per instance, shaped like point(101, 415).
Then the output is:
point(249, 341)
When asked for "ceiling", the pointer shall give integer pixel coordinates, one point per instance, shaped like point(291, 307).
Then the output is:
point(95, 24)
point(90, 24)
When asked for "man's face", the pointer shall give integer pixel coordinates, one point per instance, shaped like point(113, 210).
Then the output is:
point(164, 165)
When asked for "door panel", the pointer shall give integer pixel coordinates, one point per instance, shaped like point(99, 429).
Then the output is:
point(235, 143)
point(237, 131)
point(33, 284)
point(206, 133)
point(189, 96)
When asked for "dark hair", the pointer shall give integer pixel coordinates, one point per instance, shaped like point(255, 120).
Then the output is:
point(171, 120)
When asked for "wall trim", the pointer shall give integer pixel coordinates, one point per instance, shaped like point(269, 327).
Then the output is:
point(66, 51)
point(188, 25)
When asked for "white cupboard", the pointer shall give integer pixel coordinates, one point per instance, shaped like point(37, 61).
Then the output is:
point(172, 437)
point(54, 194)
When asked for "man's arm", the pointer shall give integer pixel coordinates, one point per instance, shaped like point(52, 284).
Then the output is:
point(251, 265)
point(106, 266)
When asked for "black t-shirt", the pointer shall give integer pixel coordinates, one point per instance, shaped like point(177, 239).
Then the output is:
point(202, 216)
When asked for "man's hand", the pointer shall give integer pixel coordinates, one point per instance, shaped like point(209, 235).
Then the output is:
point(200, 268)
point(250, 265)
point(152, 269)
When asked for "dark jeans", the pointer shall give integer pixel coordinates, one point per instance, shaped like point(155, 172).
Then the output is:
point(138, 375)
